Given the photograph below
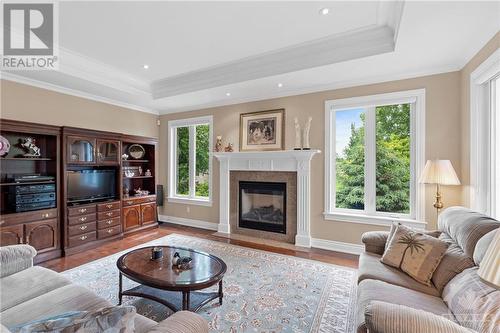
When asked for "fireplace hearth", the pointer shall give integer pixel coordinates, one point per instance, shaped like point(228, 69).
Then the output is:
point(262, 206)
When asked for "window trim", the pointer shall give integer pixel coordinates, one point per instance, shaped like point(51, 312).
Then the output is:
point(417, 151)
point(481, 195)
point(173, 197)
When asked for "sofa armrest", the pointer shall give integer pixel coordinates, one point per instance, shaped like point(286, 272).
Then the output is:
point(382, 317)
point(15, 258)
point(375, 241)
point(181, 322)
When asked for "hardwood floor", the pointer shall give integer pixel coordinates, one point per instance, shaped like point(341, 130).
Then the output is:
point(61, 264)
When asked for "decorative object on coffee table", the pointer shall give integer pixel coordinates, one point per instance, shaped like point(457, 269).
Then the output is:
point(181, 262)
point(264, 130)
point(298, 136)
point(176, 289)
point(156, 253)
point(136, 151)
point(307, 130)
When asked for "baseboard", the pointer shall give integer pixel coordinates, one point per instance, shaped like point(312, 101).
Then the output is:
point(326, 244)
point(188, 222)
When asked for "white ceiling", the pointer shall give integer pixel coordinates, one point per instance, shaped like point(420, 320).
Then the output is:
point(199, 51)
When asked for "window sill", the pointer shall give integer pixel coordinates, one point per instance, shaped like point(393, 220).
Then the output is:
point(190, 201)
point(373, 220)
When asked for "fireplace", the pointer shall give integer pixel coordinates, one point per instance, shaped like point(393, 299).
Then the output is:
point(262, 206)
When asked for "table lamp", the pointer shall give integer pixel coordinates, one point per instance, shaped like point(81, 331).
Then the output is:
point(439, 172)
point(489, 268)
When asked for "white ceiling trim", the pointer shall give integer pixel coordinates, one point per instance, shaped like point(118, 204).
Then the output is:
point(73, 92)
point(315, 89)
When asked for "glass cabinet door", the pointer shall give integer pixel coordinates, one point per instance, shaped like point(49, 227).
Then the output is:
point(108, 151)
point(81, 150)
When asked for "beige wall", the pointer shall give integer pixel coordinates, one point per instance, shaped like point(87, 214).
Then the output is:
point(465, 73)
point(27, 103)
point(442, 141)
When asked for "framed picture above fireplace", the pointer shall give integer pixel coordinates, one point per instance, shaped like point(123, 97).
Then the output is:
point(263, 130)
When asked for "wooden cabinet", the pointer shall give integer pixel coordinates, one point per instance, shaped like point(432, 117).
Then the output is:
point(11, 235)
point(80, 150)
point(131, 217)
point(108, 152)
point(148, 213)
point(42, 235)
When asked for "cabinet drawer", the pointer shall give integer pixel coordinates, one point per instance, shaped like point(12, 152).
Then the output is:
point(108, 232)
point(138, 200)
point(81, 210)
point(82, 239)
point(104, 207)
point(108, 215)
point(81, 229)
point(108, 223)
point(38, 215)
point(81, 219)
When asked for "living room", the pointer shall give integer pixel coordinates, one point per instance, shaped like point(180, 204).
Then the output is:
point(318, 167)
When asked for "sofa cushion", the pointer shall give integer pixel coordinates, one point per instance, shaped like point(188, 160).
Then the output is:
point(370, 267)
point(372, 290)
point(182, 321)
point(27, 284)
point(474, 304)
point(143, 324)
point(383, 317)
point(466, 227)
point(375, 241)
point(453, 262)
point(63, 299)
point(482, 246)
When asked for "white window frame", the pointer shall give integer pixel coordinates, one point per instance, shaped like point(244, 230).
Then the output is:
point(482, 150)
point(191, 198)
point(416, 218)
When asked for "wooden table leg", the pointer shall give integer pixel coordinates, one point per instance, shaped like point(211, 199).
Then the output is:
point(120, 278)
point(185, 300)
point(220, 292)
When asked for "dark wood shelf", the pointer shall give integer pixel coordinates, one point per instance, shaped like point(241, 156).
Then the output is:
point(28, 183)
point(27, 158)
point(137, 177)
point(136, 161)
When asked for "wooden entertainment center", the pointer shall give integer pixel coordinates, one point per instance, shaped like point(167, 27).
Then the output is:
point(74, 225)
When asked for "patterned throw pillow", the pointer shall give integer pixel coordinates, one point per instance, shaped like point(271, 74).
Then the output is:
point(115, 319)
point(414, 253)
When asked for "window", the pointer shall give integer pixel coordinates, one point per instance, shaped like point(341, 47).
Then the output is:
point(485, 137)
point(190, 164)
point(374, 154)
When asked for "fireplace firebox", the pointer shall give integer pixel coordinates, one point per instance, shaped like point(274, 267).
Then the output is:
point(262, 206)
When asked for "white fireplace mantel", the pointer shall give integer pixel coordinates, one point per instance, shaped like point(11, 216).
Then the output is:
point(286, 160)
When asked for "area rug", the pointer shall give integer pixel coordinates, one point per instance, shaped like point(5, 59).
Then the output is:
point(263, 291)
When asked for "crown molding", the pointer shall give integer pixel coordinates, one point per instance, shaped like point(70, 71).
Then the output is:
point(314, 89)
point(320, 52)
point(68, 91)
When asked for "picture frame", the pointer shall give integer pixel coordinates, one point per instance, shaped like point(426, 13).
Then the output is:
point(262, 130)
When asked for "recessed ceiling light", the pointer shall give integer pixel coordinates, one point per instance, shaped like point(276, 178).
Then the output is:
point(145, 66)
point(228, 94)
point(280, 85)
point(324, 11)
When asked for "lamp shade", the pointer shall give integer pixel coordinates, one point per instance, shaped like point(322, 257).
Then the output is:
point(439, 172)
point(489, 268)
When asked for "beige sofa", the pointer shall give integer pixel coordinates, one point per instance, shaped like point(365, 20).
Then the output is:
point(30, 293)
point(389, 301)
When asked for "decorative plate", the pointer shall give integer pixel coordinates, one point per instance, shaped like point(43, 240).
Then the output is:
point(136, 151)
point(4, 146)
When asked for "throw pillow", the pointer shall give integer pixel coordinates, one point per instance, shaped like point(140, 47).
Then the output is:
point(414, 253)
point(433, 233)
point(114, 319)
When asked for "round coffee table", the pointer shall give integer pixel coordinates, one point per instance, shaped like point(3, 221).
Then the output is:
point(172, 287)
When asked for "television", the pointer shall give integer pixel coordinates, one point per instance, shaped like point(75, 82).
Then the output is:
point(90, 185)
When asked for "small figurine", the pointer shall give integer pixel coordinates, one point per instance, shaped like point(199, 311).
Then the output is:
point(147, 173)
point(229, 148)
point(298, 143)
point(125, 192)
point(218, 144)
point(140, 171)
point(29, 146)
point(181, 262)
point(124, 157)
point(307, 128)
